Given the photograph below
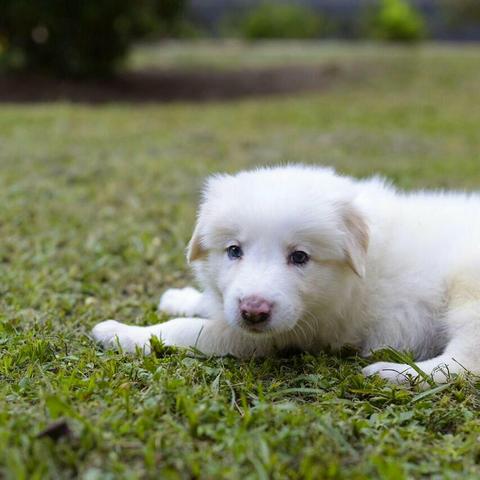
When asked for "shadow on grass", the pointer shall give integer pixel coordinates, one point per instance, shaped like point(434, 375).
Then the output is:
point(176, 85)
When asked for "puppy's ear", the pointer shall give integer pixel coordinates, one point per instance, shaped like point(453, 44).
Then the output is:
point(195, 249)
point(357, 239)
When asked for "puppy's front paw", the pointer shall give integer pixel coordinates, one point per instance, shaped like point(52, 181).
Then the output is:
point(183, 302)
point(112, 334)
point(394, 372)
point(106, 332)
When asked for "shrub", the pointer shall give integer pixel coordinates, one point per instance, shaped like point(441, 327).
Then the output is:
point(171, 19)
point(77, 37)
point(397, 20)
point(280, 21)
point(463, 12)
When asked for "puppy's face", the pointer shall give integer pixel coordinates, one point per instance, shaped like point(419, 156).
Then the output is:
point(274, 247)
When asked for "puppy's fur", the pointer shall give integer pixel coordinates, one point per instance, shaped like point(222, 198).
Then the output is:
point(385, 269)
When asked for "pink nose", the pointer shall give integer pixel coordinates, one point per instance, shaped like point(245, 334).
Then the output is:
point(255, 309)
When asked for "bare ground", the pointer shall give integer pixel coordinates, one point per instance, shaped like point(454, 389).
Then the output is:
point(175, 85)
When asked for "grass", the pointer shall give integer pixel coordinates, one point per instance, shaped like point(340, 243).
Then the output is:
point(96, 206)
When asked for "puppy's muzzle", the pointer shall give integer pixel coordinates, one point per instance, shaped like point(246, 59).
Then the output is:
point(255, 310)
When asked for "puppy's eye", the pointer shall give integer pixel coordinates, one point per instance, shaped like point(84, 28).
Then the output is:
point(234, 252)
point(298, 257)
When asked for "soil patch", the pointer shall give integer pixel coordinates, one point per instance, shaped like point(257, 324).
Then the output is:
point(176, 85)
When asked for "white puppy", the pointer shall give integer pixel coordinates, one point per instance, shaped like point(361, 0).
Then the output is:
point(300, 257)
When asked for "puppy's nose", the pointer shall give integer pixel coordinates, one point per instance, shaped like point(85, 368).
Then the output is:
point(255, 309)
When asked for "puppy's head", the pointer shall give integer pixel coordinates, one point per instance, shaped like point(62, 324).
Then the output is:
point(274, 246)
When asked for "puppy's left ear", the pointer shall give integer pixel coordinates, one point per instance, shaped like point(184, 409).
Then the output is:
point(195, 249)
point(357, 239)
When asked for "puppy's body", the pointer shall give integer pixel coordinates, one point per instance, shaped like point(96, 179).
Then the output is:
point(382, 269)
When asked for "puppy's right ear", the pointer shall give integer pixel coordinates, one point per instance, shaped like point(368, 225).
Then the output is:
point(195, 249)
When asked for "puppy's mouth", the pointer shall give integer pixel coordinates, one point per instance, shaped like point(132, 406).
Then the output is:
point(256, 329)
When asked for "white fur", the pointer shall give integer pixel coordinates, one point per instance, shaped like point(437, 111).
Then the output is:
point(387, 269)
point(185, 302)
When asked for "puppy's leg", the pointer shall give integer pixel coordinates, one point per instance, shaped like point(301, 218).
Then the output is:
point(461, 356)
point(185, 302)
point(462, 353)
point(212, 337)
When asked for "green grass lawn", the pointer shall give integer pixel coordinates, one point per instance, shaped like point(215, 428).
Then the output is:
point(96, 206)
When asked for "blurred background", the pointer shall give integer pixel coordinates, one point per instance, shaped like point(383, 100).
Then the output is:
point(108, 39)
